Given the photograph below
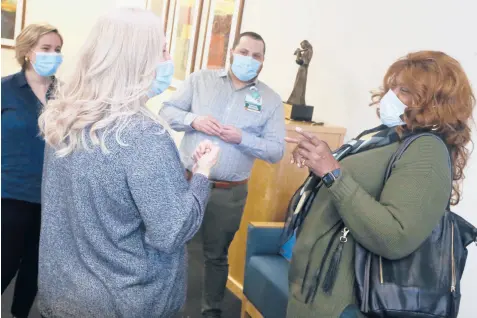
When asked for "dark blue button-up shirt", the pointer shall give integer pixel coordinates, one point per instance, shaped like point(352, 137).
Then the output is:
point(22, 148)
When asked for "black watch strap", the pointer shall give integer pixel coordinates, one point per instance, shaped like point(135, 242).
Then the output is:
point(329, 178)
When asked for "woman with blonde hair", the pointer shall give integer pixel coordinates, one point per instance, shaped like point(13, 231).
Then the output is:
point(118, 209)
point(424, 91)
point(38, 51)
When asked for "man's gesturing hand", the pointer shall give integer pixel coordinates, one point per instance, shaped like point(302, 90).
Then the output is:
point(208, 125)
point(231, 135)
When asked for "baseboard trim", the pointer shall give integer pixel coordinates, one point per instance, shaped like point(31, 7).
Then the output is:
point(235, 287)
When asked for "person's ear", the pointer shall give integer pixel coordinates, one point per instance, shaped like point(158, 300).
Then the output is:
point(30, 57)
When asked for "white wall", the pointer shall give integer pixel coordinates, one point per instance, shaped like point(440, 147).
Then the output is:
point(354, 42)
point(74, 20)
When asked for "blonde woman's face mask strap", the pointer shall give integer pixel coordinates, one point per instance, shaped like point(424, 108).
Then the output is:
point(164, 75)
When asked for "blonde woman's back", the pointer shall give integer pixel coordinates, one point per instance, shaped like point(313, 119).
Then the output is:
point(117, 209)
point(114, 228)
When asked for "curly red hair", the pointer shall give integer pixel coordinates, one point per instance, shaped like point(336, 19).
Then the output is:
point(442, 101)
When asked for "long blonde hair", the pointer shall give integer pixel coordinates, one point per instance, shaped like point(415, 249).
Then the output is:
point(109, 85)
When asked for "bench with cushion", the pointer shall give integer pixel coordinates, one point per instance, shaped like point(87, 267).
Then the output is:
point(265, 285)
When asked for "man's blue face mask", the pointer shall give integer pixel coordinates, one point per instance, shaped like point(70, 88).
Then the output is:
point(245, 68)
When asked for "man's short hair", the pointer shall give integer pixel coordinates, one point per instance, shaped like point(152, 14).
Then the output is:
point(252, 35)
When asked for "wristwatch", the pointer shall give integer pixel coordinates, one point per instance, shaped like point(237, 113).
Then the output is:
point(329, 178)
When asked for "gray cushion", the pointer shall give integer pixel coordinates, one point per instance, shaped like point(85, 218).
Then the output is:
point(266, 284)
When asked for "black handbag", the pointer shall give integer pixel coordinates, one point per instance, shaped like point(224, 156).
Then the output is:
point(426, 283)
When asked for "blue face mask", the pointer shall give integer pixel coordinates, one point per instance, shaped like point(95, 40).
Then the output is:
point(46, 64)
point(245, 68)
point(163, 79)
point(390, 109)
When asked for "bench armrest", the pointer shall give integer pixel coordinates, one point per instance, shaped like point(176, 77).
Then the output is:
point(271, 225)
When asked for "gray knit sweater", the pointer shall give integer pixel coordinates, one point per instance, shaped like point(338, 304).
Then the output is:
point(114, 228)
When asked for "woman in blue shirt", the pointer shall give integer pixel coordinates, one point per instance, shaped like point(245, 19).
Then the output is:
point(38, 51)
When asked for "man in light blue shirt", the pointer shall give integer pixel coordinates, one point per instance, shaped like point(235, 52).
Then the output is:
point(246, 118)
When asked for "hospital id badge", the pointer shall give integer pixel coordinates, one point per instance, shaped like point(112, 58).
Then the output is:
point(253, 101)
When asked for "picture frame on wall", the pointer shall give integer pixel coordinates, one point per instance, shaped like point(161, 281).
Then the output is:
point(224, 20)
point(184, 36)
point(13, 21)
point(199, 33)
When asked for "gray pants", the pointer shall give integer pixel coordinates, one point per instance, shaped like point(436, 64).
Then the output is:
point(221, 221)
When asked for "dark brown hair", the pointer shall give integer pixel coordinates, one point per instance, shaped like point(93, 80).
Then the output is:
point(252, 35)
point(441, 100)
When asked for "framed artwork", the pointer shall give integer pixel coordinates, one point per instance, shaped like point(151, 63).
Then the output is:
point(13, 21)
point(199, 33)
point(169, 22)
point(223, 24)
point(184, 37)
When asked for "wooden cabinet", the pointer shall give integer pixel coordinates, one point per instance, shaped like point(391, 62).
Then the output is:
point(270, 188)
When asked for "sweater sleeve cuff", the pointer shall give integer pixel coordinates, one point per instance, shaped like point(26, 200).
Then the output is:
point(201, 187)
point(343, 188)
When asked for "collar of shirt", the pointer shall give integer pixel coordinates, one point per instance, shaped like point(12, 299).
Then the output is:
point(21, 81)
point(225, 73)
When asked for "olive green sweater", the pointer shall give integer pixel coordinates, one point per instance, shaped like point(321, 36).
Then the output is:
point(411, 204)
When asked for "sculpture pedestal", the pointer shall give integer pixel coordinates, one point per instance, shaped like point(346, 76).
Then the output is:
point(300, 113)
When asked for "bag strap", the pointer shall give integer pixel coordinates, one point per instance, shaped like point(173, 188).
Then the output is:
point(403, 147)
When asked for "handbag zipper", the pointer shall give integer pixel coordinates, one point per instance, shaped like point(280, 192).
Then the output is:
point(453, 283)
point(454, 278)
point(332, 273)
point(381, 270)
point(366, 291)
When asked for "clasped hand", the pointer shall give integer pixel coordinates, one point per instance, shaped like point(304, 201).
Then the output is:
point(212, 127)
point(205, 157)
point(313, 153)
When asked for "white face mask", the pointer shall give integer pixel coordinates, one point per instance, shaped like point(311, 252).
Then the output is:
point(390, 109)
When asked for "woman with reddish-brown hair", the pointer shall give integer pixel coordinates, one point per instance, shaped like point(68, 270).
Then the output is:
point(425, 91)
